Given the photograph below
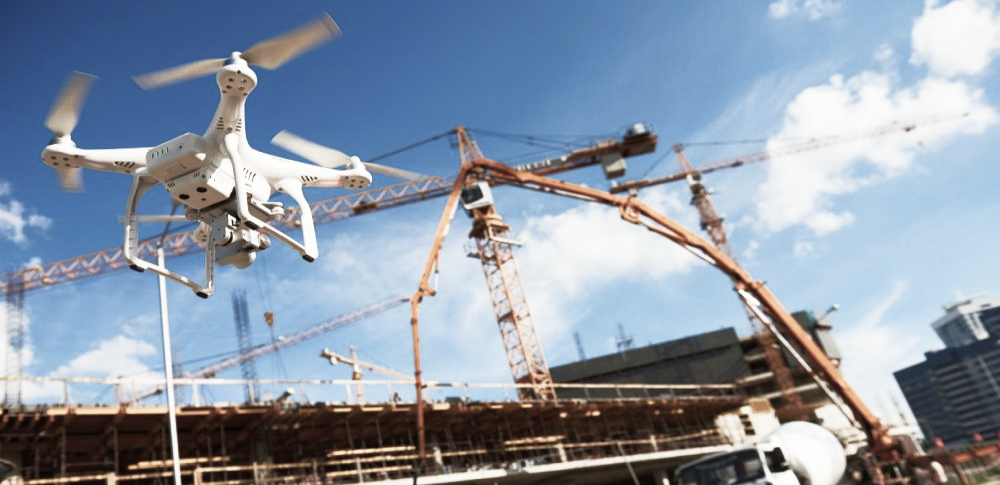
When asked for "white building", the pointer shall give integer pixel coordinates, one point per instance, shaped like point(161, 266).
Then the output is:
point(964, 321)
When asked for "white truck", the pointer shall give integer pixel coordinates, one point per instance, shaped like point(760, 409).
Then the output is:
point(797, 453)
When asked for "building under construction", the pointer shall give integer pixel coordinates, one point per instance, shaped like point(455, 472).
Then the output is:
point(564, 426)
point(635, 413)
point(319, 443)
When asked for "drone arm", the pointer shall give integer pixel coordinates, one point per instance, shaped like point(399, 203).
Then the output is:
point(293, 187)
point(121, 160)
point(232, 143)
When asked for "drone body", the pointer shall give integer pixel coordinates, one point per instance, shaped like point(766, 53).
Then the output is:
point(222, 182)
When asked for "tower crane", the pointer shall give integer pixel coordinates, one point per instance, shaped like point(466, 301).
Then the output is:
point(357, 365)
point(510, 306)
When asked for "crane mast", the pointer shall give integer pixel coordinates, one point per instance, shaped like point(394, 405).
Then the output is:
point(15, 339)
point(510, 305)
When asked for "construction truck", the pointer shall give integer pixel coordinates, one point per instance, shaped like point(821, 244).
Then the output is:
point(797, 453)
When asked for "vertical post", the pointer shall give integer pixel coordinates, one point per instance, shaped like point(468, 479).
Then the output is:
point(962, 477)
point(62, 453)
point(168, 369)
point(114, 429)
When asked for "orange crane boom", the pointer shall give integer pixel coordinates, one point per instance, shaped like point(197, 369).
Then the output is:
point(755, 294)
point(711, 223)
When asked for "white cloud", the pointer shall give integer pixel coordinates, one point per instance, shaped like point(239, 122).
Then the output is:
point(781, 8)
point(591, 246)
point(811, 9)
point(959, 38)
point(14, 218)
point(750, 253)
point(117, 356)
point(803, 249)
point(884, 53)
point(800, 188)
point(826, 222)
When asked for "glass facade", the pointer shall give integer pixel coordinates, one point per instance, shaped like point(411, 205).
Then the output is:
point(955, 392)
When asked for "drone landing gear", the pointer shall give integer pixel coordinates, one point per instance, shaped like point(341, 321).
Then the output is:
point(309, 250)
point(141, 185)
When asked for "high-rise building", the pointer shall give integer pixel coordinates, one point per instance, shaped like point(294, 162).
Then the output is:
point(969, 320)
point(955, 392)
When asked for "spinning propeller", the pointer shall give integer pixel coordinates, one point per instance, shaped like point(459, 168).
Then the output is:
point(269, 54)
point(332, 158)
point(62, 120)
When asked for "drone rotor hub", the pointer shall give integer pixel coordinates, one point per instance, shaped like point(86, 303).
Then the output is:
point(356, 182)
point(64, 140)
point(236, 79)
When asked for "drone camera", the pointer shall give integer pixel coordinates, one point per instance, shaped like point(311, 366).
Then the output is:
point(202, 188)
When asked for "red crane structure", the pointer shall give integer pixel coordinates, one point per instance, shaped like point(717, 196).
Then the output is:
point(884, 453)
point(523, 349)
point(476, 168)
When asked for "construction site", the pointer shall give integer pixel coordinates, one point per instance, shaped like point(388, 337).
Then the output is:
point(631, 417)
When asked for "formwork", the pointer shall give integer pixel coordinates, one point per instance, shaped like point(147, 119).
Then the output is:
point(335, 443)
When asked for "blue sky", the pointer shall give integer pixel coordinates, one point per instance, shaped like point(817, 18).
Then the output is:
point(889, 227)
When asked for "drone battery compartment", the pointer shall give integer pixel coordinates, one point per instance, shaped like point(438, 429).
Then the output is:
point(182, 166)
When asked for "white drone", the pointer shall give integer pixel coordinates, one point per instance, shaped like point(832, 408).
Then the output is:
point(223, 182)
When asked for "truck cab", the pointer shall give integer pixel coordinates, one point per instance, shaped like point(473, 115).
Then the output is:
point(761, 465)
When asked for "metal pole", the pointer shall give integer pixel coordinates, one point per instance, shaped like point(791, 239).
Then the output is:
point(168, 369)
